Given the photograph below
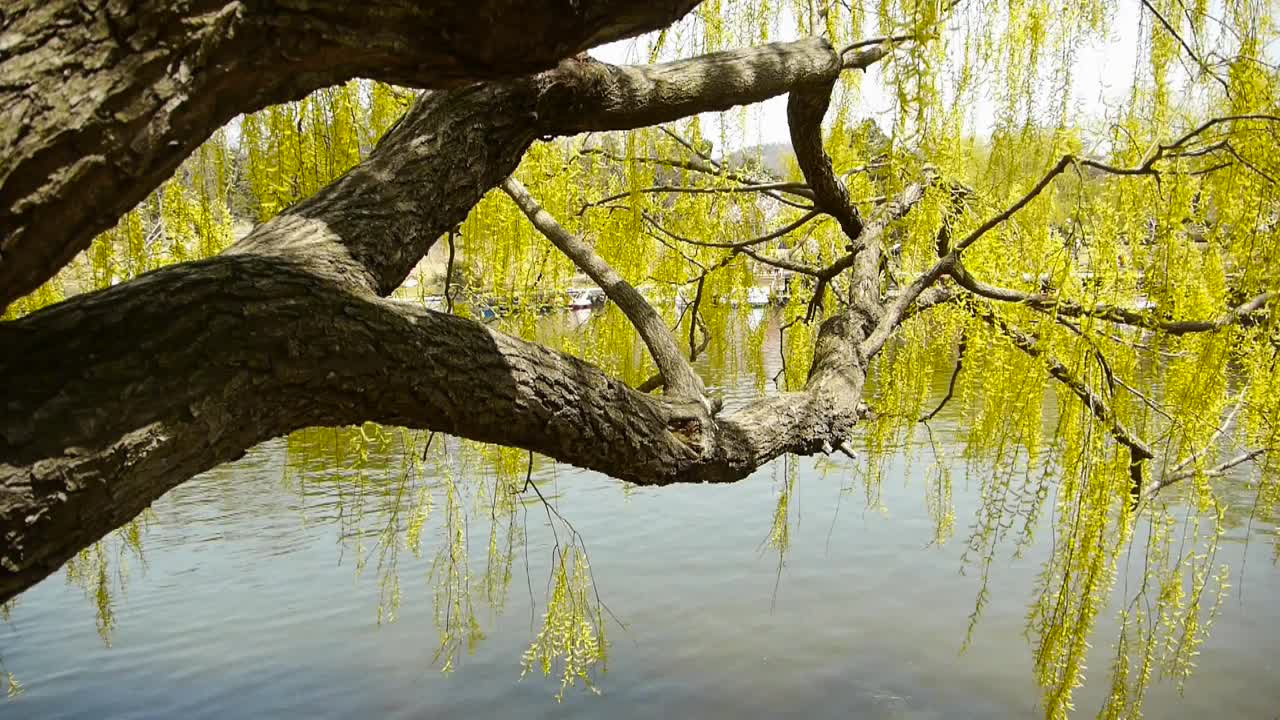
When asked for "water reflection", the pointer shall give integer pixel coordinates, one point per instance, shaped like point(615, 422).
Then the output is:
point(336, 572)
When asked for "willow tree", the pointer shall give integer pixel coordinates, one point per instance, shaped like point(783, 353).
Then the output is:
point(1054, 253)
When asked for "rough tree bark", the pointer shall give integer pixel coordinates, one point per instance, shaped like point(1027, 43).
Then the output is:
point(112, 398)
point(100, 101)
point(678, 374)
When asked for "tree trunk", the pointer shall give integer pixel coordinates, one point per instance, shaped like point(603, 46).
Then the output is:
point(100, 101)
point(114, 397)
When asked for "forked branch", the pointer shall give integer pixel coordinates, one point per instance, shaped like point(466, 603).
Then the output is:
point(1153, 489)
point(948, 263)
point(1093, 401)
point(1248, 312)
point(679, 376)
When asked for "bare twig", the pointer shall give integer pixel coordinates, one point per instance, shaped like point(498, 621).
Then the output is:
point(885, 44)
point(1213, 439)
point(790, 227)
point(782, 263)
point(951, 386)
point(699, 165)
point(689, 146)
point(694, 190)
point(1154, 488)
point(1147, 167)
point(1204, 67)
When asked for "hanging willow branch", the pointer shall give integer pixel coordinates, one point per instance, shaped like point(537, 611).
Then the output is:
point(1247, 313)
point(1139, 451)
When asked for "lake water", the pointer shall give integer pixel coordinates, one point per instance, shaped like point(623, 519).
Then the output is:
point(248, 603)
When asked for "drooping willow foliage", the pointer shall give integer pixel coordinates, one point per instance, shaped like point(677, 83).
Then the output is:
point(1169, 207)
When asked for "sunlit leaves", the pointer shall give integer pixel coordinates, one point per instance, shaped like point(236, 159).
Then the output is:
point(102, 569)
point(1188, 240)
point(571, 641)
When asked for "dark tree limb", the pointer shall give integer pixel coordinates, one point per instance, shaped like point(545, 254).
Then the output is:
point(269, 345)
point(678, 375)
point(100, 102)
point(961, 347)
point(112, 398)
point(806, 106)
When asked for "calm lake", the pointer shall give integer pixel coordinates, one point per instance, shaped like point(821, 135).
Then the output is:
point(250, 601)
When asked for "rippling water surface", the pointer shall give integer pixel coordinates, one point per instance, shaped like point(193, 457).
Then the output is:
point(248, 604)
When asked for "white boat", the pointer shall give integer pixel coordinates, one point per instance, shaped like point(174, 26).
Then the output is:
point(585, 297)
point(758, 296)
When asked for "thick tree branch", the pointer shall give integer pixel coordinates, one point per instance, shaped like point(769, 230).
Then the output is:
point(806, 106)
point(145, 384)
point(114, 397)
point(376, 222)
point(696, 323)
point(100, 102)
point(496, 121)
point(388, 211)
point(678, 375)
point(263, 346)
point(868, 276)
point(598, 96)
